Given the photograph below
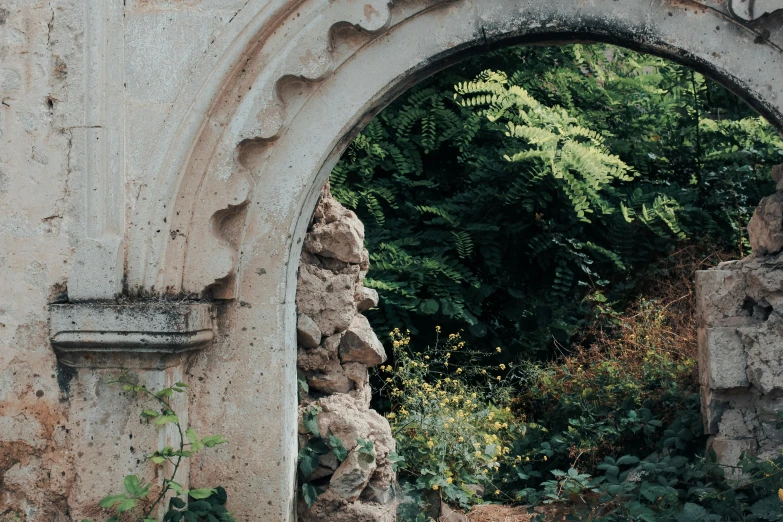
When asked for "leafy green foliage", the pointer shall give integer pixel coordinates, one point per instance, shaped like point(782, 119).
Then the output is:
point(204, 505)
point(499, 193)
point(451, 435)
point(318, 446)
point(208, 504)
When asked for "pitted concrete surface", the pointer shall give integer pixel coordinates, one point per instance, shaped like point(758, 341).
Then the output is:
point(172, 151)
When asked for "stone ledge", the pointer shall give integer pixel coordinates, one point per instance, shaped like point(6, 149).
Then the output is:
point(139, 335)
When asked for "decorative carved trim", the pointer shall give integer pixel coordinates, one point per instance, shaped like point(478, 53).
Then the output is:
point(225, 187)
point(140, 335)
point(307, 55)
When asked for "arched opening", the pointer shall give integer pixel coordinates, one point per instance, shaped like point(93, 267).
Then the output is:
point(383, 136)
point(281, 178)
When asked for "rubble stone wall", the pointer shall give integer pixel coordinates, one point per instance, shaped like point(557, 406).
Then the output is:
point(336, 346)
point(740, 332)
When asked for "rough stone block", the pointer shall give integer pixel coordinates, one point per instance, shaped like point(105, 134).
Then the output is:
point(765, 229)
point(307, 332)
point(722, 359)
point(353, 475)
point(342, 239)
point(330, 379)
point(729, 452)
point(712, 408)
point(720, 296)
point(734, 424)
point(366, 298)
point(360, 344)
point(326, 297)
point(764, 356)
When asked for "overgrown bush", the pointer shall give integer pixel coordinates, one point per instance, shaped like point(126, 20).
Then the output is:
point(610, 430)
point(477, 225)
point(451, 420)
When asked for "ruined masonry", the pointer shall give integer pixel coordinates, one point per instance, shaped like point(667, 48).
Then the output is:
point(336, 346)
point(740, 332)
point(160, 165)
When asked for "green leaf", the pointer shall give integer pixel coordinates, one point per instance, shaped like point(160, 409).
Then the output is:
point(177, 502)
point(396, 460)
point(310, 419)
point(132, 485)
point(149, 414)
point(201, 493)
point(337, 448)
point(366, 448)
point(318, 445)
point(176, 487)
point(110, 500)
point(126, 505)
point(166, 419)
point(429, 306)
point(310, 494)
point(211, 441)
point(195, 444)
point(308, 461)
point(627, 460)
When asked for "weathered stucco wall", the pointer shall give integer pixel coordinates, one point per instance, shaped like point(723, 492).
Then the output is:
point(171, 152)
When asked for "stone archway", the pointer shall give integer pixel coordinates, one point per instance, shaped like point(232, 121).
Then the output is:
point(252, 137)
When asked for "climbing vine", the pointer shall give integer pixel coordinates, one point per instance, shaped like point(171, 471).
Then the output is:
point(138, 503)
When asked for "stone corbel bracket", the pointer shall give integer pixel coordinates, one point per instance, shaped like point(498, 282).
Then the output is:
point(147, 335)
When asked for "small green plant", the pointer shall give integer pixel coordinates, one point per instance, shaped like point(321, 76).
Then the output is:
point(451, 420)
point(317, 446)
point(310, 455)
point(135, 503)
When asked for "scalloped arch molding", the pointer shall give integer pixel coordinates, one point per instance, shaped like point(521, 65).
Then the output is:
point(232, 175)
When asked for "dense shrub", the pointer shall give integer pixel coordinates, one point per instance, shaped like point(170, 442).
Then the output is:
point(537, 203)
point(501, 231)
point(611, 431)
point(452, 437)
